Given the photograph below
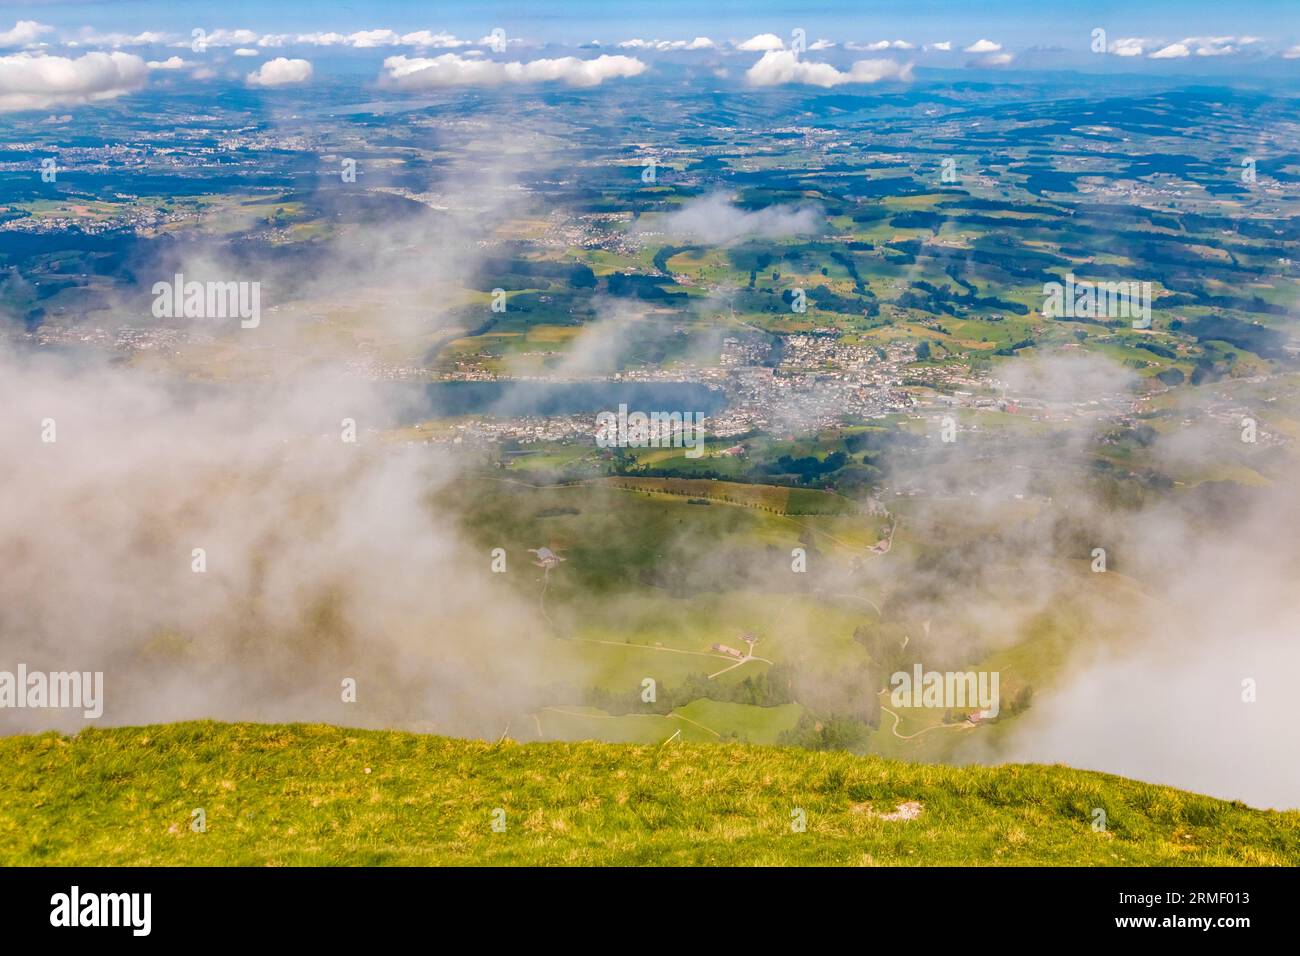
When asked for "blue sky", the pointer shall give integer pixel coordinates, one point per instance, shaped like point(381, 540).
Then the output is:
point(1018, 23)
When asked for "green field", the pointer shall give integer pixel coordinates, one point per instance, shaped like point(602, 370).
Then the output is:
point(276, 795)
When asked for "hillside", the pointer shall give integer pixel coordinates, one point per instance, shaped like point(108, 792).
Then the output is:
point(315, 794)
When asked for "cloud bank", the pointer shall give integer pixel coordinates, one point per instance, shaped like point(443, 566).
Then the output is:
point(777, 67)
point(421, 73)
point(29, 82)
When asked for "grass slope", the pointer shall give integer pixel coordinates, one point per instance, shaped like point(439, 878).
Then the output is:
point(315, 794)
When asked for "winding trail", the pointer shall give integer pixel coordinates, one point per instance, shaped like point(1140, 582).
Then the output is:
point(924, 730)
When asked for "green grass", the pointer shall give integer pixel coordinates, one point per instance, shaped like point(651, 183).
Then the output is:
point(313, 794)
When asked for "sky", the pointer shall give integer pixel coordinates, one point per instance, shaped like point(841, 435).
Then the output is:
point(67, 53)
point(1011, 23)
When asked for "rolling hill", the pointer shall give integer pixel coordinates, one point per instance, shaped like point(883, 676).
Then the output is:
point(288, 795)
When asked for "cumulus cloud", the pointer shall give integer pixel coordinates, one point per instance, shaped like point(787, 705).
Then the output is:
point(881, 45)
point(821, 44)
point(36, 82)
point(944, 45)
point(88, 37)
point(761, 42)
point(1129, 46)
point(308, 39)
point(425, 38)
point(699, 43)
point(171, 63)
point(713, 219)
point(1292, 53)
point(245, 51)
point(983, 46)
point(1204, 46)
point(371, 39)
point(280, 72)
point(784, 66)
point(418, 73)
point(24, 33)
point(1221, 46)
point(220, 38)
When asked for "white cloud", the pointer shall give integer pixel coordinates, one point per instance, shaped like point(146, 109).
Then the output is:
point(1203, 46)
point(371, 39)
point(699, 43)
point(225, 38)
point(784, 66)
point(762, 42)
point(1221, 46)
point(171, 63)
point(492, 42)
point(423, 38)
point(321, 39)
point(881, 45)
point(1292, 53)
point(1129, 46)
point(247, 51)
point(994, 59)
point(821, 45)
point(944, 45)
point(280, 72)
point(277, 40)
point(37, 82)
point(414, 73)
point(713, 219)
point(24, 33)
point(365, 39)
point(88, 37)
point(983, 46)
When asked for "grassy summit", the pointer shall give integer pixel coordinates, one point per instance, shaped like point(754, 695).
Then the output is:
point(314, 794)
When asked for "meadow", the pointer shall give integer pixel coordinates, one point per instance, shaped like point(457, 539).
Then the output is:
point(297, 795)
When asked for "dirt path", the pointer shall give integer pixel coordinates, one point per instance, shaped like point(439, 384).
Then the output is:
point(924, 730)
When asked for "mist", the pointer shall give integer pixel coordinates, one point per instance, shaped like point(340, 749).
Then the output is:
point(238, 547)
